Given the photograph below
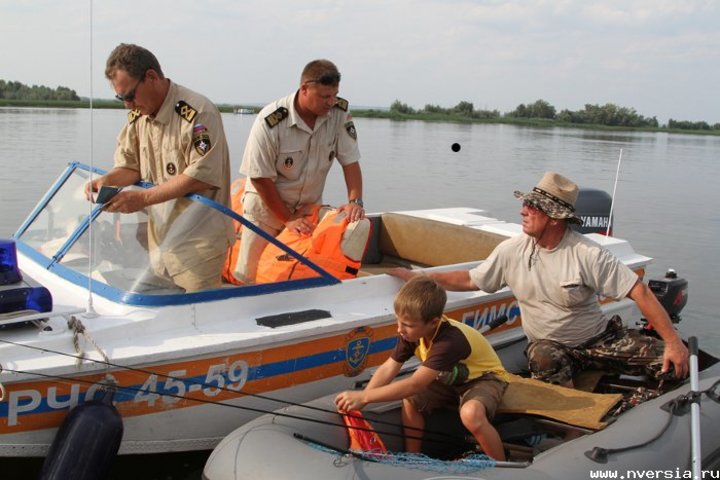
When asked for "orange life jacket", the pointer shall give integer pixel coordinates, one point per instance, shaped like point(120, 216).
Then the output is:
point(237, 189)
point(335, 245)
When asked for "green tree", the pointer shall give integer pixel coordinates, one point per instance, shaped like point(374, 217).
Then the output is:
point(434, 109)
point(464, 108)
point(541, 109)
point(18, 91)
point(486, 114)
point(521, 111)
point(688, 125)
point(400, 107)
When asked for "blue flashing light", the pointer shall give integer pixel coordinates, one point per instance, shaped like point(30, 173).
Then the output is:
point(9, 271)
point(17, 293)
point(26, 295)
point(39, 299)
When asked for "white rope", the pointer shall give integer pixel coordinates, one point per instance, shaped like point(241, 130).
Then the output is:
point(78, 330)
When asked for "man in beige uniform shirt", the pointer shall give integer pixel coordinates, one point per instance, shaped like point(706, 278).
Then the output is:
point(174, 139)
point(287, 158)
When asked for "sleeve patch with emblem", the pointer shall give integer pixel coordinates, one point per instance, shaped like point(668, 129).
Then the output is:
point(350, 127)
point(276, 117)
point(342, 104)
point(185, 111)
point(133, 115)
point(201, 142)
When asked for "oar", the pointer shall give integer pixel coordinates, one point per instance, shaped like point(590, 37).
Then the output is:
point(695, 409)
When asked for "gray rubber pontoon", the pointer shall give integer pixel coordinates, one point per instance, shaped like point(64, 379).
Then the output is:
point(269, 447)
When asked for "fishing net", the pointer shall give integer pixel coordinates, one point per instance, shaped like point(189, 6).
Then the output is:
point(468, 463)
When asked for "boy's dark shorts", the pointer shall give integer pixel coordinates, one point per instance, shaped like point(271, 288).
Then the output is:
point(488, 389)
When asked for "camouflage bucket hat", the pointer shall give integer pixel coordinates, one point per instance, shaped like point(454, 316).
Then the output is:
point(555, 195)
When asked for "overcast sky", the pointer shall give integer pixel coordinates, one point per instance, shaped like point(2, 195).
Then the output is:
point(661, 57)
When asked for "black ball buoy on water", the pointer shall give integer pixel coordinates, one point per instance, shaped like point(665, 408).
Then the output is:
point(86, 443)
point(455, 147)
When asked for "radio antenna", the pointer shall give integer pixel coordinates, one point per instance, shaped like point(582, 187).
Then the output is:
point(612, 201)
point(90, 312)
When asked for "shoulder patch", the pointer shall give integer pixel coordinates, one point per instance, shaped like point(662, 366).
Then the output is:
point(185, 111)
point(350, 129)
point(201, 139)
point(342, 104)
point(276, 117)
point(133, 115)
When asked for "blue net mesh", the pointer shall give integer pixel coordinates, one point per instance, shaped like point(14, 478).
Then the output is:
point(468, 463)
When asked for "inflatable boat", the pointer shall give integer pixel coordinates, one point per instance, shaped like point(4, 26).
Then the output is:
point(632, 428)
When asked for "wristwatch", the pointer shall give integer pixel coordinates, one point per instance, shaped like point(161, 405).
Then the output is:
point(358, 202)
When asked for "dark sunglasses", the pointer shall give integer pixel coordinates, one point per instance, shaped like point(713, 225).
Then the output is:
point(329, 79)
point(130, 96)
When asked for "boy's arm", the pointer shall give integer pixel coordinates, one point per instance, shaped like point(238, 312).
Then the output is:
point(385, 373)
point(351, 399)
point(417, 382)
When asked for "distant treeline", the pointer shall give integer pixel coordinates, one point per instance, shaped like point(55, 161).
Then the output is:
point(610, 115)
point(538, 113)
point(20, 91)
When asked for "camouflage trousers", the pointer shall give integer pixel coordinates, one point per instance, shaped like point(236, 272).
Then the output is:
point(617, 350)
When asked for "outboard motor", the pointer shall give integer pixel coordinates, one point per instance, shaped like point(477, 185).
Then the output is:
point(86, 443)
point(593, 207)
point(672, 293)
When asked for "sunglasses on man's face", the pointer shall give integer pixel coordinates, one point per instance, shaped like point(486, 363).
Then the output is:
point(329, 79)
point(130, 96)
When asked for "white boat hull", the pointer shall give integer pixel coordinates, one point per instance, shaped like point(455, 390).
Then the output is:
point(184, 364)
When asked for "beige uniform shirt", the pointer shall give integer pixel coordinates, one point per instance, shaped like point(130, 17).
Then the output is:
point(185, 137)
point(282, 147)
point(557, 291)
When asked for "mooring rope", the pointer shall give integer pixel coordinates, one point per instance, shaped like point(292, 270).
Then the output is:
point(78, 329)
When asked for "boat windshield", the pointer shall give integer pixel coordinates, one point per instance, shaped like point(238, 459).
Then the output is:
point(165, 249)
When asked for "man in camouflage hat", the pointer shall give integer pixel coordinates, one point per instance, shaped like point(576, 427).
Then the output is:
point(555, 273)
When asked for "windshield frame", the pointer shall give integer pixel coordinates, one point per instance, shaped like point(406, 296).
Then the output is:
point(52, 263)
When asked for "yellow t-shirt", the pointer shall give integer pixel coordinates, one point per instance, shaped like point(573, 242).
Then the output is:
point(454, 343)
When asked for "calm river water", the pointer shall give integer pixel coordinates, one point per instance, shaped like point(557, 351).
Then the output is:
point(665, 200)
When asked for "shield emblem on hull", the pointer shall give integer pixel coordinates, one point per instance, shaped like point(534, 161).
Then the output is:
point(357, 346)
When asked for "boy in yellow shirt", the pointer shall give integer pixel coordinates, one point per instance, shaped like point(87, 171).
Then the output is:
point(459, 368)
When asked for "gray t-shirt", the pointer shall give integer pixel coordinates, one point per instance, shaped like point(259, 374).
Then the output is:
point(557, 289)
